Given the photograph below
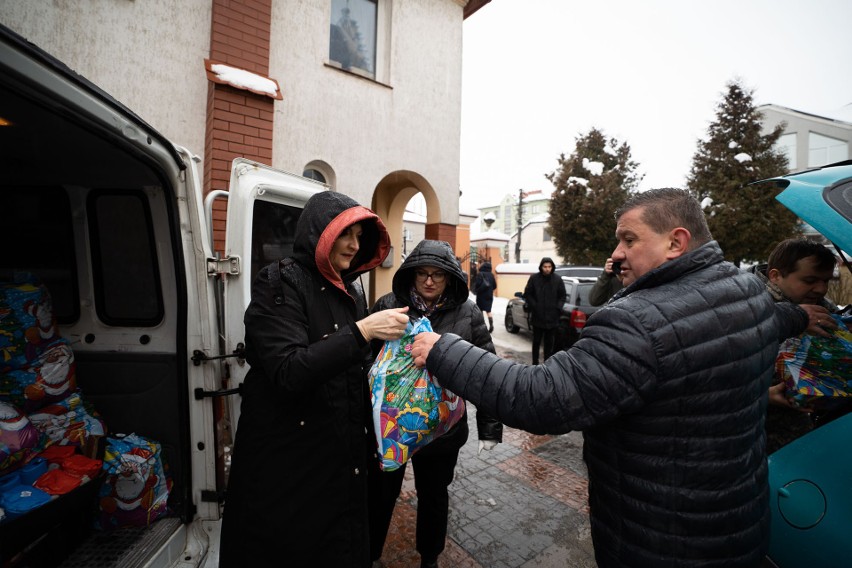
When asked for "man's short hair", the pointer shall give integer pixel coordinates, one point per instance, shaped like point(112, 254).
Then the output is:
point(668, 208)
point(788, 252)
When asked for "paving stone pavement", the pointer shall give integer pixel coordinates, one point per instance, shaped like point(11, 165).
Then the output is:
point(522, 505)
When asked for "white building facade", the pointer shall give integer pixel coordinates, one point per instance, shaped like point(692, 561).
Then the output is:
point(378, 119)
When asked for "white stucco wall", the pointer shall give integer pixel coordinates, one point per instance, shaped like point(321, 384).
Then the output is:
point(364, 129)
point(149, 54)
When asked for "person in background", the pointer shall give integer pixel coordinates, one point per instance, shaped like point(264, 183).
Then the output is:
point(297, 493)
point(668, 383)
point(430, 283)
point(798, 271)
point(605, 287)
point(483, 287)
point(544, 296)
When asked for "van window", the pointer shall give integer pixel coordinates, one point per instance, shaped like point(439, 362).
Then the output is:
point(272, 234)
point(124, 259)
point(38, 238)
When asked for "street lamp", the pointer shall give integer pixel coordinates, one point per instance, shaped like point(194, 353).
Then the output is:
point(406, 237)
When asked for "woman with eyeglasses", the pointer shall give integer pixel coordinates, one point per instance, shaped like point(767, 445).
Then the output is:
point(431, 284)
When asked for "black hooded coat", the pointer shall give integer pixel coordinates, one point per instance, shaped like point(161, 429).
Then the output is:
point(483, 286)
point(297, 494)
point(458, 315)
point(545, 295)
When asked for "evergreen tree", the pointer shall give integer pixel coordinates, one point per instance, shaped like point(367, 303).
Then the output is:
point(746, 220)
point(589, 186)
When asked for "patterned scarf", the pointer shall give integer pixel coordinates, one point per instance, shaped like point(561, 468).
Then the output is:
point(418, 302)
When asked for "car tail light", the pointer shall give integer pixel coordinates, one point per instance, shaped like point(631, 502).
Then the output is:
point(578, 319)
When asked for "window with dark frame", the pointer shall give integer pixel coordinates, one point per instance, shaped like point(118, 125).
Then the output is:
point(128, 290)
point(352, 39)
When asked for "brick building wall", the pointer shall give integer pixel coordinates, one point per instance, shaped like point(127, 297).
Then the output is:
point(239, 121)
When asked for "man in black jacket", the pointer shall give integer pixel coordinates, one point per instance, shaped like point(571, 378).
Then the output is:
point(668, 383)
point(544, 297)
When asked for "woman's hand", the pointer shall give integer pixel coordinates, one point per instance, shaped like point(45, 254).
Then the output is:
point(384, 325)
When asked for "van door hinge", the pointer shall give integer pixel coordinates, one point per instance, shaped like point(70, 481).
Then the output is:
point(212, 496)
point(229, 265)
point(199, 356)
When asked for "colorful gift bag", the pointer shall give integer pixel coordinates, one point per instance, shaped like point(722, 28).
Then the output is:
point(67, 422)
point(19, 439)
point(135, 490)
point(410, 409)
point(27, 324)
point(48, 378)
point(818, 370)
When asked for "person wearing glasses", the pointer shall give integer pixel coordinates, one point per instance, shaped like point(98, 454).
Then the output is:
point(431, 284)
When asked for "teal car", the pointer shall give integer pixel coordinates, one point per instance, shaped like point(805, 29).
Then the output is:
point(810, 479)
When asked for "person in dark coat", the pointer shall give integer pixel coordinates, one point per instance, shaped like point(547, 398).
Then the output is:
point(544, 296)
point(297, 493)
point(668, 383)
point(483, 287)
point(798, 271)
point(605, 287)
point(431, 283)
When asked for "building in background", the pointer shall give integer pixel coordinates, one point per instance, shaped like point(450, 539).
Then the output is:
point(505, 214)
point(536, 242)
point(810, 140)
point(364, 95)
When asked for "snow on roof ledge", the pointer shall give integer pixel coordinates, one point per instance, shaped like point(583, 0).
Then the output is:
point(242, 79)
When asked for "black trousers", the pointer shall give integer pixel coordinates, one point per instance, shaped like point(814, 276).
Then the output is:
point(549, 339)
point(433, 473)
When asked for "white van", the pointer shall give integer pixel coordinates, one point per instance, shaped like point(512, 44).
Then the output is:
point(111, 217)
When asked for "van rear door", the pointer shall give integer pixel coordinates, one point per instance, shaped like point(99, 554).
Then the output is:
point(264, 205)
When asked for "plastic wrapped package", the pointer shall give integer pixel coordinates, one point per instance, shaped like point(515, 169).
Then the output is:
point(818, 370)
point(36, 364)
point(19, 439)
point(135, 490)
point(410, 408)
point(68, 422)
point(27, 325)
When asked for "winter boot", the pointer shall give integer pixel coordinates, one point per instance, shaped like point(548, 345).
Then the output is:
point(490, 324)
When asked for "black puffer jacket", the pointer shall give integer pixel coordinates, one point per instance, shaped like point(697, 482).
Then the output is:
point(669, 382)
point(297, 493)
point(459, 315)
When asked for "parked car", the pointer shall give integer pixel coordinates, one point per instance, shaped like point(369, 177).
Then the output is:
point(577, 308)
point(572, 270)
point(110, 217)
point(809, 479)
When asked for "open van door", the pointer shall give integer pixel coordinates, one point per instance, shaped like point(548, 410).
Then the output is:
point(264, 205)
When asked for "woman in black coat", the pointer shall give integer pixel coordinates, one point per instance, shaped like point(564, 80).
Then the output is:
point(483, 286)
point(431, 283)
point(297, 493)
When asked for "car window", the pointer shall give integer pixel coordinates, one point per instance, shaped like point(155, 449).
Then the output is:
point(569, 289)
point(588, 271)
point(583, 291)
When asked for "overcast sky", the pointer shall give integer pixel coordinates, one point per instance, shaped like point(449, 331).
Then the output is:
point(539, 72)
